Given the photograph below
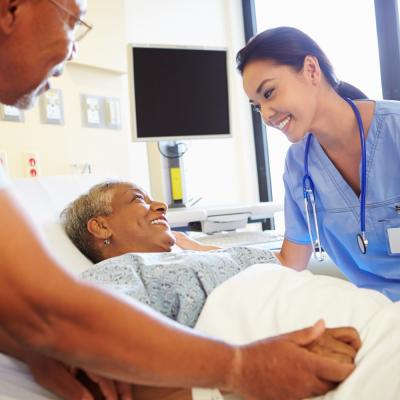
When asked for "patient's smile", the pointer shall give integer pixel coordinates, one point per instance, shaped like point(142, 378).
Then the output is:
point(159, 221)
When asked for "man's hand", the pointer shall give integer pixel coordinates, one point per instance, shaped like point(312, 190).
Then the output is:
point(341, 344)
point(186, 243)
point(64, 382)
point(283, 368)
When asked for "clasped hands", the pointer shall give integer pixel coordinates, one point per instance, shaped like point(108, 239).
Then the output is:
point(297, 365)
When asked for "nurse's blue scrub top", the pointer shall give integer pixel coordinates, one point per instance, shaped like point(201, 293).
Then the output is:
point(338, 207)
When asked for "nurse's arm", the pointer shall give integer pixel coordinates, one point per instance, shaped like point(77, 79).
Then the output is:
point(187, 243)
point(293, 255)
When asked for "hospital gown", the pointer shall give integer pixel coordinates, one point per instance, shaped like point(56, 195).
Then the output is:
point(175, 284)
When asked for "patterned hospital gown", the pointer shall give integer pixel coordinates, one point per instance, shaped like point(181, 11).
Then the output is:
point(175, 284)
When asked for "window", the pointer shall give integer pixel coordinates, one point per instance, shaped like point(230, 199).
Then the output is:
point(346, 32)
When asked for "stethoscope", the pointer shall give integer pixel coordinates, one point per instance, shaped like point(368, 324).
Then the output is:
point(309, 193)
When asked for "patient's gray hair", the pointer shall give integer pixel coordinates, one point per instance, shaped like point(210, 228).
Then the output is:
point(97, 202)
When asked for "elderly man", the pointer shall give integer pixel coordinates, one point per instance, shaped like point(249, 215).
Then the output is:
point(61, 318)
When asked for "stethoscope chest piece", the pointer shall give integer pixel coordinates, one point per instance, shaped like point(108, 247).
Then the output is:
point(362, 243)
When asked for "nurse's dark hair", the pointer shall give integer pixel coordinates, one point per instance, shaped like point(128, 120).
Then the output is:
point(289, 46)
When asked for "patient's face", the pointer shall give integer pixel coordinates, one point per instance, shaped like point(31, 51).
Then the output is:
point(138, 223)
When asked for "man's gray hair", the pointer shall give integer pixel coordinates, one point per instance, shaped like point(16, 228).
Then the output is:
point(97, 202)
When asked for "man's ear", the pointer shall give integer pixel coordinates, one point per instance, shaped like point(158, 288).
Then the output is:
point(312, 69)
point(98, 227)
point(8, 13)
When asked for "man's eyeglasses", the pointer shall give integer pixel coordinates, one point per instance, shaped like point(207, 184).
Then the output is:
point(81, 28)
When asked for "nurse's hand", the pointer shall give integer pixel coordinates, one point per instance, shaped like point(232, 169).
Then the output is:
point(341, 344)
point(187, 243)
point(283, 368)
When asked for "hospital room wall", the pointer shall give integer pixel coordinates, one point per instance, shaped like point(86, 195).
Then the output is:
point(101, 69)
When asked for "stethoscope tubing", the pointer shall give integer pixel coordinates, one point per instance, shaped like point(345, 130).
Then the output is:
point(309, 189)
point(309, 197)
point(363, 164)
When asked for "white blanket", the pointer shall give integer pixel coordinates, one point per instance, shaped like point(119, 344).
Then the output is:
point(17, 383)
point(267, 300)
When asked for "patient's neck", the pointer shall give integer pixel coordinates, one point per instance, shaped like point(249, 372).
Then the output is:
point(115, 250)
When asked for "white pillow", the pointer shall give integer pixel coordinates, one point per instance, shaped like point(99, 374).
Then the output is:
point(44, 199)
point(63, 249)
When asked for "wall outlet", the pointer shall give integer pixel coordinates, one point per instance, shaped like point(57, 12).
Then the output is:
point(92, 111)
point(31, 164)
point(10, 113)
point(51, 107)
point(3, 160)
point(112, 113)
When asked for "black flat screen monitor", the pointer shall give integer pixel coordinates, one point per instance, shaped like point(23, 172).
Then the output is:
point(179, 93)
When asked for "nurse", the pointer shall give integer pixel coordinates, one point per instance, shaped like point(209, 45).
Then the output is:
point(342, 173)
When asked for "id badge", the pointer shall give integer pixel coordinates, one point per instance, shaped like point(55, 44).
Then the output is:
point(392, 228)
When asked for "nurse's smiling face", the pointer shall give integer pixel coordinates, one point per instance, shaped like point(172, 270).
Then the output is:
point(286, 98)
point(136, 224)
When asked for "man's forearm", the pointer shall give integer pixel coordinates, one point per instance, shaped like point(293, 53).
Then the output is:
point(130, 342)
point(11, 348)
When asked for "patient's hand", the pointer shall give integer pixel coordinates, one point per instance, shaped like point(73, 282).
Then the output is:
point(103, 388)
point(63, 381)
point(56, 377)
point(341, 344)
point(187, 243)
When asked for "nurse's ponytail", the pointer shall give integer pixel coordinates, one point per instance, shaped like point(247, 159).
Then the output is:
point(289, 46)
point(344, 89)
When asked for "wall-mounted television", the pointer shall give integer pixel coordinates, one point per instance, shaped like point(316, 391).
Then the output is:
point(178, 93)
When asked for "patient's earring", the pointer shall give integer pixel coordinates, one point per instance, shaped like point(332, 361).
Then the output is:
point(106, 242)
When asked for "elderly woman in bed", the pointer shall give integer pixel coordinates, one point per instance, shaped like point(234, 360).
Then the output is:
point(115, 218)
point(119, 227)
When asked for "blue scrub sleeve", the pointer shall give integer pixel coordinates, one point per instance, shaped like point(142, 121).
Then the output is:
point(296, 229)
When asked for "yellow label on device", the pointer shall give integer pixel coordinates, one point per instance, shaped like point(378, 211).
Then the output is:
point(176, 183)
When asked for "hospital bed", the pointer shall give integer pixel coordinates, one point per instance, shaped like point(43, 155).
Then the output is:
point(225, 314)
